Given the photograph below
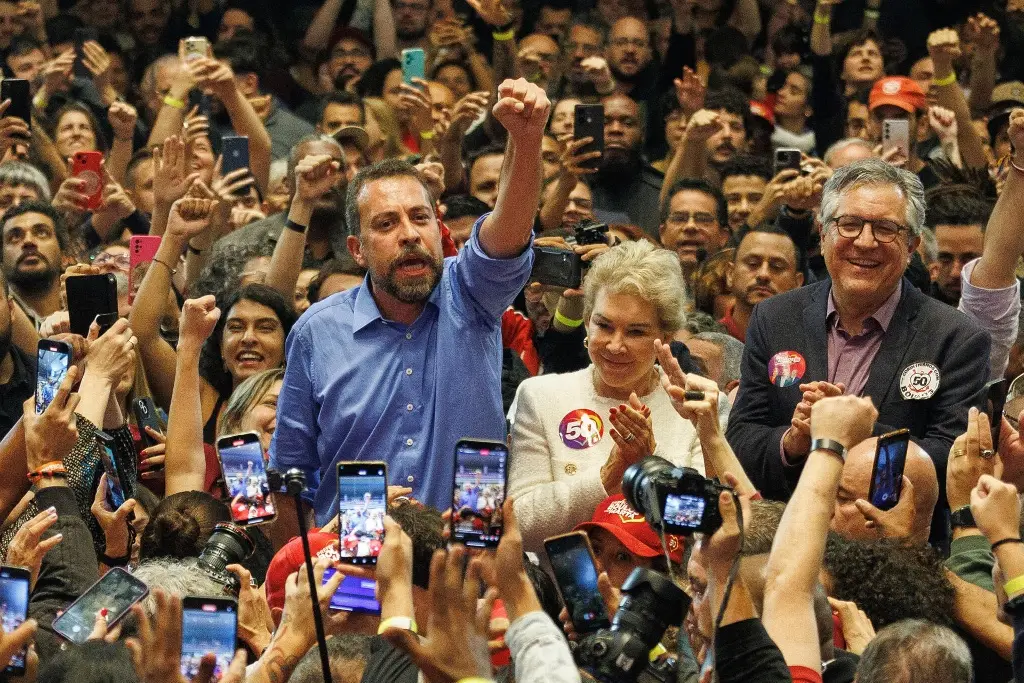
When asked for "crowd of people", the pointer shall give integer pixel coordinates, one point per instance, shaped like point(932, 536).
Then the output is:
point(731, 243)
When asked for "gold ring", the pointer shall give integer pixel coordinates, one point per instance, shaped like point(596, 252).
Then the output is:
point(628, 437)
point(958, 452)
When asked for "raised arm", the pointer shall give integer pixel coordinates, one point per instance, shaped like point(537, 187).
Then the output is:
point(385, 36)
point(449, 145)
point(503, 49)
point(944, 47)
point(691, 157)
point(318, 35)
point(122, 117)
point(185, 461)
point(795, 561)
point(984, 34)
point(573, 165)
point(522, 109)
point(172, 108)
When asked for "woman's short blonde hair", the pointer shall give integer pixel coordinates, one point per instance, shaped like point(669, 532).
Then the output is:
point(643, 270)
point(244, 398)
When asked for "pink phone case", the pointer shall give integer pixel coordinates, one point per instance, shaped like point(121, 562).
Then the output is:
point(141, 251)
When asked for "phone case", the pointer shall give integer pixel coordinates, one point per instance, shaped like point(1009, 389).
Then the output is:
point(194, 47)
point(588, 121)
point(88, 297)
point(413, 65)
point(245, 500)
point(141, 251)
point(146, 416)
point(61, 624)
point(89, 167)
point(235, 152)
point(896, 133)
point(17, 91)
point(50, 370)
point(479, 487)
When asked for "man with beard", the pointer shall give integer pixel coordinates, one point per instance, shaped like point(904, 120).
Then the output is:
point(713, 135)
point(326, 227)
point(400, 368)
point(625, 188)
point(411, 20)
point(17, 369)
point(583, 41)
point(766, 263)
point(34, 241)
point(694, 223)
point(629, 57)
point(958, 215)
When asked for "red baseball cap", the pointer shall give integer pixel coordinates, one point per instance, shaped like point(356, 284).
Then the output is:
point(615, 516)
point(898, 91)
point(290, 558)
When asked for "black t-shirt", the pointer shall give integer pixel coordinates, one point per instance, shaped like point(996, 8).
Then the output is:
point(14, 392)
point(745, 653)
point(388, 664)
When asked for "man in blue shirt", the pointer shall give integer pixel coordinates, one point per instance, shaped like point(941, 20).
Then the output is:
point(403, 366)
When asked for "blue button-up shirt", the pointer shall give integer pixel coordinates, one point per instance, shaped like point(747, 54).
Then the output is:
point(359, 387)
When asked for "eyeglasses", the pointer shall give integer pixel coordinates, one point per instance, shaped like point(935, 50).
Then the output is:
point(357, 52)
point(120, 261)
point(583, 204)
point(701, 218)
point(638, 43)
point(882, 230)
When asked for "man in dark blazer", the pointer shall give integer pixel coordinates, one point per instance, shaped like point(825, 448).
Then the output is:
point(865, 331)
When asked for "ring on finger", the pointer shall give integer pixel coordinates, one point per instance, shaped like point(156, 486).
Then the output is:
point(988, 453)
point(628, 437)
point(958, 452)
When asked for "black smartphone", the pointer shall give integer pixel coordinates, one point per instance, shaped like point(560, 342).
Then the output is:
point(786, 159)
point(235, 150)
point(478, 490)
point(572, 561)
point(120, 487)
point(14, 591)
point(17, 91)
point(116, 591)
point(245, 476)
point(887, 472)
point(355, 594)
point(996, 391)
point(82, 36)
point(53, 358)
point(90, 296)
point(146, 416)
point(557, 267)
point(208, 625)
point(200, 101)
point(588, 122)
point(362, 504)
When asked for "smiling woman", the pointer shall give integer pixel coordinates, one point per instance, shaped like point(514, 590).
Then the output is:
point(575, 434)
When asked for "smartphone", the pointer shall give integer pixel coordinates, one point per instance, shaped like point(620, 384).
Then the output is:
point(88, 166)
point(208, 625)
point(786, 159)
point(557, 267)
point(82, 36)
point(199, 101)
point(53, 358)
point(14, 591)
point(413, 65)
point(478, 490)
point(887, 472)
point(146, 416)
point(588, 122)
point(117, 591)
point(896, 133)
point(141, 252)
point(996, 393)
point(362, 504)
point(90, 296)
point(119, 485)
point(355, 594)
point(194, 47)
point(235, 150)
point(17, 91)
point(572, 561)
point(245, 476)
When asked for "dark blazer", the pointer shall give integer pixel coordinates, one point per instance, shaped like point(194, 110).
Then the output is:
point(921, 330)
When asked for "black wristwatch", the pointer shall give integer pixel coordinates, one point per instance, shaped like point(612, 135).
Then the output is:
point(830, 445)
point(961, 518)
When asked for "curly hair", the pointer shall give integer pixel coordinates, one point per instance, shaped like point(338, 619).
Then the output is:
point(889, 581)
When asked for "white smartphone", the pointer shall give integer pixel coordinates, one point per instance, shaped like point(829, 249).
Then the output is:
point(896, 134)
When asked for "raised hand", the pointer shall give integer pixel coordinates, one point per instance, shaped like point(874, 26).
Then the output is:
point(1016, 135)
point(13, 130)
point(846, 419)
point(71, 196)
point(857, 628)
point(895, 523)
point(523, 109)
point(198, 319)
point(983, 32)
point(151, 460)
point(51, 435)
point(122, 118)
point(213, 75)
point(493, 12)
point(112, 354)
point(466, 111)
point(944, 48)
point(190, 216)
point(690, 91)
point(575, 164)
point(113, 523)
point(703, 125)
point(943, 122)
point(996, 509)
point(28, 547)
point(255, 624)
point(57, 72)
point(597, 71)
point(315, 175)
point(415, 101)
point(97, 61)
point(971, 456)
point(632, 429)
point(170, 177)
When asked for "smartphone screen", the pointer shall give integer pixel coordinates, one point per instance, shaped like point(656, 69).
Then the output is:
point(362, 504)
point(115, 482)
point(208, 625)
point(53, 358)
point(355, 594)
point(245, 477)
point(576, 576)
point(14, 590)
point(478, 492)
point(117, 591)
point(887, 474)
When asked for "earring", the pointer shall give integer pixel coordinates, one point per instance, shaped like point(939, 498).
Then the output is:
point(586, 342)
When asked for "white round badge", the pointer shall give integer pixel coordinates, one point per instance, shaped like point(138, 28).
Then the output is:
point(919, 381)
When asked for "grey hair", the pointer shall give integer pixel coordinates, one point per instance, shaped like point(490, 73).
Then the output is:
point(732, 355)
point(838, 147)
point(177, 576)
point(874, 172)
point(148, 83)
point(25, 174)
point(916, 651)
point(930, 245)
point(644, 270)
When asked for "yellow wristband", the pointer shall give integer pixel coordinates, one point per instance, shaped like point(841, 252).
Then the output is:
point(1014, 586)
point(872, 14)
point(427, 134)
point(568, 322)
point(173, 102)
point(39, 102)
point(948, 80)
point(504, 35)
point(822, 18)
point(405, 623)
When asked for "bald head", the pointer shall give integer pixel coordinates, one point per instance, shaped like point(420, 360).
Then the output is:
point(538, 54)
point(856, 482)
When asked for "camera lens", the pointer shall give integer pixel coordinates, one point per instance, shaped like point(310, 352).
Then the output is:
point(640, 477)
point(228, 544)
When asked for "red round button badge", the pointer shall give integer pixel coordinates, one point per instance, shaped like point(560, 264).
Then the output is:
point(581, 428)
point(786, 368)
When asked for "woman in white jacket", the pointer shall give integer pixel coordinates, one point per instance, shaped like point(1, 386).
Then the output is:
point(574, 434)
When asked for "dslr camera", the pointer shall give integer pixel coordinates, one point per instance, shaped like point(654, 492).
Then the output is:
point(228, 544)
point(675, 500)
point(590, 232)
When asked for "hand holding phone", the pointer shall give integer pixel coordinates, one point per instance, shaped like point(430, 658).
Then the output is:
point(90, 296)
point(786, 159)
point(116, 592)
point(588, 122)
point(17, 91)
point(478, 491)
point(141, 252)
point(887, 472)
point(896, 141)
point(245, 477)
point(575, 570)
point(557, 267)
point(88, 166)
point(362, 505)
point(14, 592)
point(413, 65)
point(53, 358)
point(208, 625)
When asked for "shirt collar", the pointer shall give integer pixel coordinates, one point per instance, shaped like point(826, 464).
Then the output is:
point(882, 316)
point(365, 310)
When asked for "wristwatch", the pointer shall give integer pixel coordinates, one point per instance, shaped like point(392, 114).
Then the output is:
point(829, 445)
point(961, 518)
